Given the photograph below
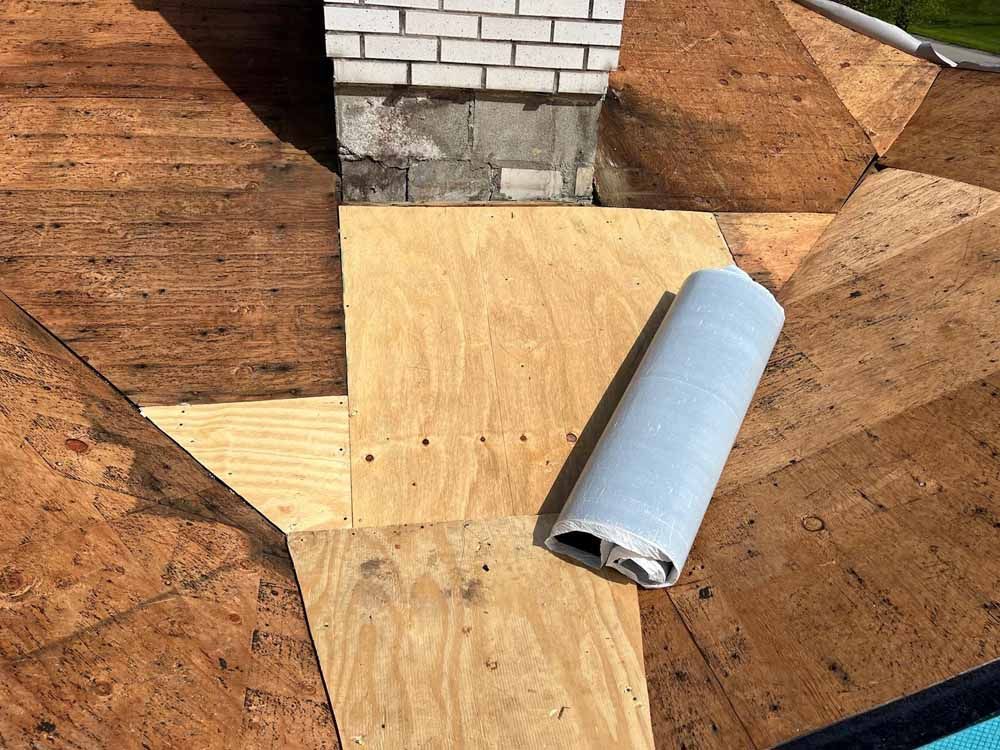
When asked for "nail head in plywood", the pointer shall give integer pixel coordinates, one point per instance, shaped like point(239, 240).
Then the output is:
point(439, 635)
point(290, 458)
point(480, 337)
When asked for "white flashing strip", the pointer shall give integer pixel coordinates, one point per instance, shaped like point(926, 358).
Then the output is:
point(887, 33)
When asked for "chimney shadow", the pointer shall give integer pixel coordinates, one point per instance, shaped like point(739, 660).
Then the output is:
point(591, 433)
point(269, 53)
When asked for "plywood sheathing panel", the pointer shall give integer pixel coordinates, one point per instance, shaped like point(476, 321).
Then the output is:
point(770, 247)
point(847, 559)
point(289, 458)
point(141, 602)
point(483, 340)
point(881, 86)
point(717, 106)
point(167, 197)
point(954, 133)
point(439, 635)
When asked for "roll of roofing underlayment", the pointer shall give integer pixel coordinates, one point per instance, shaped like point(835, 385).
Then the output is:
point(644, 490)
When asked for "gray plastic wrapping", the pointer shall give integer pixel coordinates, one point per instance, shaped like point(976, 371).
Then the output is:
point(643, 493)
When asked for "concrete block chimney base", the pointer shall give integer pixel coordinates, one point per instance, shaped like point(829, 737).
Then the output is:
point(407, 144)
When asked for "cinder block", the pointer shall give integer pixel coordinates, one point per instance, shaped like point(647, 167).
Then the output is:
point(556, 8)
point(571, 82)
point(364, 180)
point(481, 6)
point(602, 58)
point(540, 131)
point(588, 32)
point(520, 29)
point(450, 181)
point(433, 4)
point(369, 71)
point(361, 19)
point(441, 24)
point(585, 182)
point(343, 45)
point(609, 10)
point(400, 47)
point(399, 128)
point(521, 79)
point(484, 53)
point(548, 56)
point(530, 184)
point(448, 76)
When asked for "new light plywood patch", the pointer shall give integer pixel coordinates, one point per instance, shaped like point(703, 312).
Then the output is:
point(881, 86)
point(440, 636)
point(290, 458)
point(770, 247)
point(487, 343)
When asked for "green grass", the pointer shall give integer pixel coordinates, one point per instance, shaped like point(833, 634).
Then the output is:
point(967, 32)
point(969, 23)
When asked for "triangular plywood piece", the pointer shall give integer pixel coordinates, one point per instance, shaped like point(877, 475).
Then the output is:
point(289, 458)
point(770, 247)
point(881, 86)
point(954, 134)
point(142, 603)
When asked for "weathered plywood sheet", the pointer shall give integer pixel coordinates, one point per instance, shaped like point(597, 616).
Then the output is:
point(440, 636)
point(954, 133)
point(850, 547)
point(289, 458)
point(142, 603)
point(482, 342)
point(717, 106)
point(881, 86)
point(167, 195)
point(770, 247)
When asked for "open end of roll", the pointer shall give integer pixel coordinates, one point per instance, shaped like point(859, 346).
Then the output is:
point(579, 545)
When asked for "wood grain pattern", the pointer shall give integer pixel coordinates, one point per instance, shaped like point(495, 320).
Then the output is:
point(142, 603)
point(770, 247)
point(847, 558)
point(953, 134)
point(167, 199)
point(486, 345)
point(717, 106)
point(439, 636)
point(289, 458)
point(881, 86)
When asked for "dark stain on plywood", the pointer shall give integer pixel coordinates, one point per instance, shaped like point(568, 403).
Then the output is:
point(167, 198)
point(142, 603)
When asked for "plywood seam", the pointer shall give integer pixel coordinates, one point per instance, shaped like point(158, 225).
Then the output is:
point(819, 69)
point(708, 666)
point(907, 122)
point(347, 368)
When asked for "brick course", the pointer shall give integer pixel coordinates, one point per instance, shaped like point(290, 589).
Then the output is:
point(538, 46)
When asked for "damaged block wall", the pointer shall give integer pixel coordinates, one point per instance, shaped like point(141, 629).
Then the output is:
point(470, 100)
point(423, 146)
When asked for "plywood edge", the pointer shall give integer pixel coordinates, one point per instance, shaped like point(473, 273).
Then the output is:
point(289, 458)
point(439, 635)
